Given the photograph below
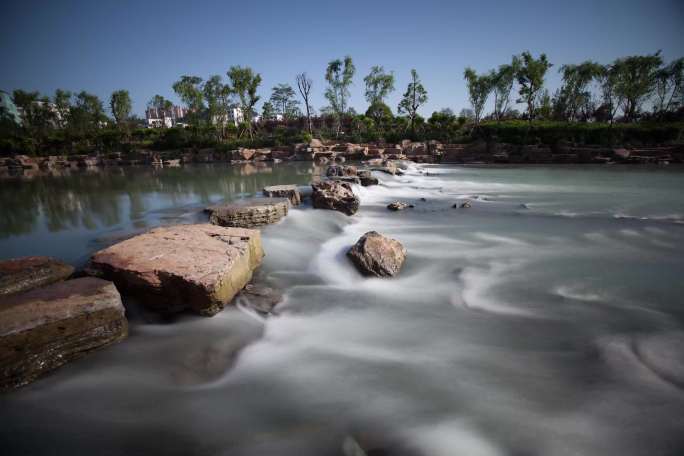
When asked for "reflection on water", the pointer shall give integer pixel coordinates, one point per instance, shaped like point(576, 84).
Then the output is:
point(48, 209)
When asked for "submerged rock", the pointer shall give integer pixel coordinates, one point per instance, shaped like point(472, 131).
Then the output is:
point(377, 255)
point(336, 196)
point(291, 192)
point(47, 327)
point(249, 213)
point(399, 206)
point(348, 179)
point(197, 267)
point(260, 298)
point(23, 274)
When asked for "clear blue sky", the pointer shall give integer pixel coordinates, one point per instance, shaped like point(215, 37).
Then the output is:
point(145, 45)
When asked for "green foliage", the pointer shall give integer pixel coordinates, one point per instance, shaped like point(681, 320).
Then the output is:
point(551, 132)
point(284, 102)
point(339, 76)
point(378, 85)
point(635, 79)
point(479, 88)
point(530, 78)
point(244, 84)
point(120, 105)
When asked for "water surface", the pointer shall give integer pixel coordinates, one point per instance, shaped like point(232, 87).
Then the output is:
point(545, 320)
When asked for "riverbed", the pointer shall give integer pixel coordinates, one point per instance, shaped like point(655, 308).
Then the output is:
point(546, 319)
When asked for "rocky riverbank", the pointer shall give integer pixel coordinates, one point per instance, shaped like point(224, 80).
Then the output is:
point(329, 152)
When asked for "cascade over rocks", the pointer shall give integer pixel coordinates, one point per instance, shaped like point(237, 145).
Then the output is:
point(377, 255)
point(341, 171)
point(336, 196)
point(23, 274)
point(291, 192)
point(197, 267)
point(248, 213)
point(47, 327)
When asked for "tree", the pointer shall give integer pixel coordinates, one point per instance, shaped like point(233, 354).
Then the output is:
point(339, 75)
point(217, 96)
point(283, 100)
point(189, 90)
point(120, 104)
point(670, 86)
point(62, 102)
point(87, 114)
point(378, 85)
point(413, 98)
point(304, 85)
point(162, 106)
point(574, 97)
point(502, 84)
point(635, 80)
point(530, 78)
point(268, 112)
point(245, 84)
point(479, 88)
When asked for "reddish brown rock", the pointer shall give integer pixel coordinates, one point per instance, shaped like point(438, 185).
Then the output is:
point(377, 255)
point(197, 267)
point(336, 196)
point(23, 274)
point(45, 328)
point(291, 192)
point(248, 213)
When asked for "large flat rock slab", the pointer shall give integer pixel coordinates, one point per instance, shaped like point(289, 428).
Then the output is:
point(47, 327)
point(26, 273)
point(196, 267)
point(248, 213)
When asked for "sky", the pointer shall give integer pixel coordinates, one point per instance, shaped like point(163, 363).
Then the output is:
point(145, 45)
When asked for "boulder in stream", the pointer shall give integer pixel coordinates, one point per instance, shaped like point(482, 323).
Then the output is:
point(26, 273)
point(196, 267)
point(44, 328)
point(291, 192)
point(336, 196)
point(377, 255)
point(399, 206)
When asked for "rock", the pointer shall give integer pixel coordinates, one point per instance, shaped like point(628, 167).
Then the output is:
point(464, 205)
point(315, 143)
point(284, 191)
point(23, 274)
point(260, 298)
point(366, 178)
point(399, 206)
point(387, 166)
point(377, 255)
point(349, 179)
point(45, 328)
point(246, 154)
point(248, 213)
point(197, 267)
point(341, 171)
point(336, 196)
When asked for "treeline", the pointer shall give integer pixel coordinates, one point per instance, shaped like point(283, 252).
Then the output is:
point(595, 102)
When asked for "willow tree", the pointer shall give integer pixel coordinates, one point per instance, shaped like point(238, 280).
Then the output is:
point(530, 76)
point(479, 88)
point(574, 97)
point(339, 76)
point(244, 84)
point(669, 86)
point(414, 97)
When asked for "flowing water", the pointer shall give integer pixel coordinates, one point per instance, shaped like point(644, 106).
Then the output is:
point(547, 319)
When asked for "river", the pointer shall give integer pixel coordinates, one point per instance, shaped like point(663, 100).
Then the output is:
point(547, 319)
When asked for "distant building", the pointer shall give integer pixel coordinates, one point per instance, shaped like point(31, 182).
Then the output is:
point(234, 116)
point(168, 118)
point(8, 108)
